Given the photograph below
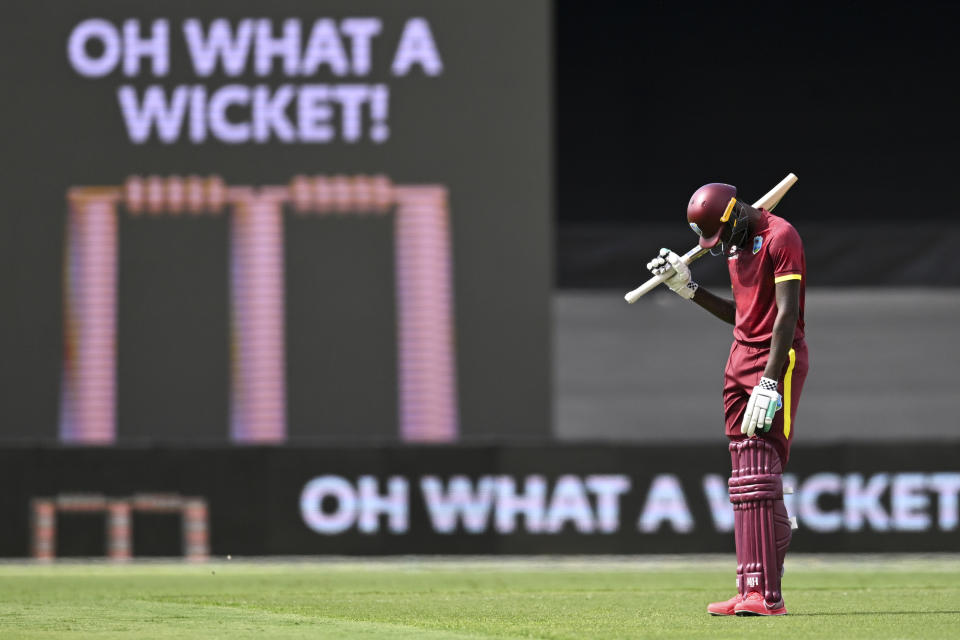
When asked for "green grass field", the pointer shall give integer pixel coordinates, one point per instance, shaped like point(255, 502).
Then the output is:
point(849, 597)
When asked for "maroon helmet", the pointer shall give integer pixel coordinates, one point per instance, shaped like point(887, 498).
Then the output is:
point(709, 209)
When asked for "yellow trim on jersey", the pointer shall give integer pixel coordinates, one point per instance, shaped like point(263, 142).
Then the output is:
point(792, 276)
point(787, 380)
point(726, 212)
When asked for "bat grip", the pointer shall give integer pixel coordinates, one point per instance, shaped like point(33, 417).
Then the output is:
point(656, 281)
point(644, 289)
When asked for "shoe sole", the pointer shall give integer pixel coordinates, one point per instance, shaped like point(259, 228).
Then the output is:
point(745, 614)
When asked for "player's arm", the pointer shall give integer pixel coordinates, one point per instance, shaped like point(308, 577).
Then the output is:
point(765, 401)
point(680, 282)
point(721, 308)
point(787, 294)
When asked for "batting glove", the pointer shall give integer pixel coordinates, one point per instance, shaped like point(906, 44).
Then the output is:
point(763, 405)
point(677, 274)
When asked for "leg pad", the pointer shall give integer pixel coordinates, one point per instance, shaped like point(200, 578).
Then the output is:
point(761, 525)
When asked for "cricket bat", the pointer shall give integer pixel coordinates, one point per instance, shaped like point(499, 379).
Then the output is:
point(768, 202)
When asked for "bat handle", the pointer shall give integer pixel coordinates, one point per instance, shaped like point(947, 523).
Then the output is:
point(656, 281)
point(644, 289)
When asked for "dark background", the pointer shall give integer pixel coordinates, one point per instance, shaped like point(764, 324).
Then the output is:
point(858, 99)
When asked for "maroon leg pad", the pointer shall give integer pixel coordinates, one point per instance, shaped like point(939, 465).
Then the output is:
point(761, 527)
point(782, 529)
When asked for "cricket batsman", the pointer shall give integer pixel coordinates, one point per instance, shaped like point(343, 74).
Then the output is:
point(763, 379)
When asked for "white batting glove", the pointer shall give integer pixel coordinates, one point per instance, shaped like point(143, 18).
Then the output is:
point(762, 407)
point(669, 264)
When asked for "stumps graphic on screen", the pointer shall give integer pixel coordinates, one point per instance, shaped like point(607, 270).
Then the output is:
point(258, 412)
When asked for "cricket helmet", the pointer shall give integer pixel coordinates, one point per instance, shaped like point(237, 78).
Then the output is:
point(709, 210)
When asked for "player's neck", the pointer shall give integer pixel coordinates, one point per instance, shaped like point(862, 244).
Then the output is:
point(758, 220)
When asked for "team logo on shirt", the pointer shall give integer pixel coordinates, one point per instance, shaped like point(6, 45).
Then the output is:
point(757, 243)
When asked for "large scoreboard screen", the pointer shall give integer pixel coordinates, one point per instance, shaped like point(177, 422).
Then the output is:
point(293, 222)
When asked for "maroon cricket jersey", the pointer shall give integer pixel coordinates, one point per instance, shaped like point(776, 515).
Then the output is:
point(773, 254)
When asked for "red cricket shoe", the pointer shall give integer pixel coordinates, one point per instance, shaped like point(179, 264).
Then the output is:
point(753, 604)
point(727, 608)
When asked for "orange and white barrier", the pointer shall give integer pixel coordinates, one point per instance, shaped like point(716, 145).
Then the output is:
point(119, 521)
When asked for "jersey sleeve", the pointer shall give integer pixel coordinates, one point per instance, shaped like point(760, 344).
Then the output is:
point(786, 250)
